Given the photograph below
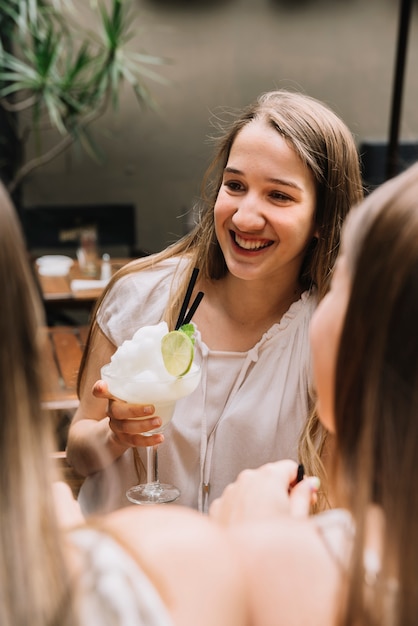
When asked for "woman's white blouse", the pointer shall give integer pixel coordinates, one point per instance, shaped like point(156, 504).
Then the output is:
point(249, 408)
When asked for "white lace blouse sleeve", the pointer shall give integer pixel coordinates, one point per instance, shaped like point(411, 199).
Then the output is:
point(112, 589)
point(137, 299)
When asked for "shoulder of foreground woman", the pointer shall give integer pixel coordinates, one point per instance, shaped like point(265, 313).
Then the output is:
point(290, 576)
point(188, 558)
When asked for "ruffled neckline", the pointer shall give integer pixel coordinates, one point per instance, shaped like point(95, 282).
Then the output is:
point(278, 327)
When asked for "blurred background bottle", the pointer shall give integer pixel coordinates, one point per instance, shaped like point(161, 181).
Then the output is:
point(87, 253)
point(106, 270)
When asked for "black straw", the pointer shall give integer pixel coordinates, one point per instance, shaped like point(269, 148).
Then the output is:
point(299, 476)
point(301, 473)
point(193, 308)
point(182, 315)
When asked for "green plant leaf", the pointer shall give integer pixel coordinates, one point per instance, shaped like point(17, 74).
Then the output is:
point(68, 75)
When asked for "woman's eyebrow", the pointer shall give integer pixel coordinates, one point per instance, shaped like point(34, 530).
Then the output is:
point(232, 170)
point(275, 181)
point(282, 181)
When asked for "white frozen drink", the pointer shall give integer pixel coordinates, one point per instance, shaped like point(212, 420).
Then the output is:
point(137, 374)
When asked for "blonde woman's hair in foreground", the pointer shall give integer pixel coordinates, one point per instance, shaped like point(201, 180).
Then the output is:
point(34, 585)
point(376, 398)
point(324, 144)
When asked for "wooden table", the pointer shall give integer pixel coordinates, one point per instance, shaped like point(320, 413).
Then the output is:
point(63, 349)
point(62, 352)
point(56, 290)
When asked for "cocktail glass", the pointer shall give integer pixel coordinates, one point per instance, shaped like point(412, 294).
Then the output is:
point(163, 395)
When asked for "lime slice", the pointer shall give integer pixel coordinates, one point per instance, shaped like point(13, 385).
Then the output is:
point(178, 351)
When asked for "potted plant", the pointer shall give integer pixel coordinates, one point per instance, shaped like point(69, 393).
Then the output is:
point(54, 73)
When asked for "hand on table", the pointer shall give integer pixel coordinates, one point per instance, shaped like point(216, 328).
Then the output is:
point(263, 493)
point(129, 422)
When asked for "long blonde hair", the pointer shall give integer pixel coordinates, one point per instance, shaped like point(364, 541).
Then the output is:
point(325, 145)
point(34, 585)
point(376, 398)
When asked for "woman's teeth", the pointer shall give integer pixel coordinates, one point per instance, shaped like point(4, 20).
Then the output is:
point(251, 244)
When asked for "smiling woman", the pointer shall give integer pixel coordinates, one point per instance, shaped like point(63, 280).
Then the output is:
point(282, 180)
point(265, 210)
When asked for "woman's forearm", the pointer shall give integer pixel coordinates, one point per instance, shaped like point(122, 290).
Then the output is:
point(92, 446)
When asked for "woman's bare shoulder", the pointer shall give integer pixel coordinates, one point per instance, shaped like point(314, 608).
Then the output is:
point(292, 579)
point(188, 558)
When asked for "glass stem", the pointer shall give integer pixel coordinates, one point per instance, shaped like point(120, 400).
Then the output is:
point(152, 464)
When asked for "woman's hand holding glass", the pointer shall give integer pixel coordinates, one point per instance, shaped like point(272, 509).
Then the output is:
point(163, 395)
point(129, 422)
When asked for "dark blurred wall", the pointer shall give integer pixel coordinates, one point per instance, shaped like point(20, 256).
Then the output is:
point(223, 54)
